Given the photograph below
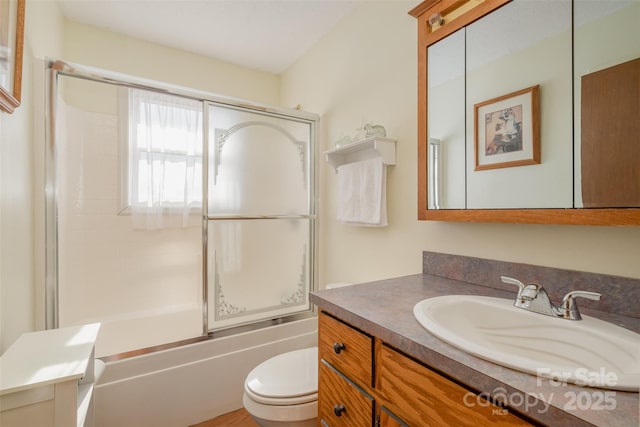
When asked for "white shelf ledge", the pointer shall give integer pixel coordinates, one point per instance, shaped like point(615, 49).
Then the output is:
point(363, 150)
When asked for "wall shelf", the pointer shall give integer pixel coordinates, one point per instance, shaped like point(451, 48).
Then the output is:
point(362, 150)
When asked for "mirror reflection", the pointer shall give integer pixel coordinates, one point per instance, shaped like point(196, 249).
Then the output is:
point(446, 82)
point(607, 100)
point(480, 126)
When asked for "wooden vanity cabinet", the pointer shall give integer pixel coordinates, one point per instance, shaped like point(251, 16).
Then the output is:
point(364, 382)
point(341, 402)
point(345, 375)
point(421, 397)
point(387, 419)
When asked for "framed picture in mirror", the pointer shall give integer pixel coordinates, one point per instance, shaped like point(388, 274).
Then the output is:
point(11, 44)
point(507, 130)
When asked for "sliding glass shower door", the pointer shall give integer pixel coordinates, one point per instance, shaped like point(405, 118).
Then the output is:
point(260, 216)
point(172, 215)
point(141, 279)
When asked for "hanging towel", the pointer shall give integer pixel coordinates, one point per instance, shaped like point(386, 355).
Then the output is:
point(362, 193)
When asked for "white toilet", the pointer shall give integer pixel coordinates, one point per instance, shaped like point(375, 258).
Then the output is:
point(283, 390)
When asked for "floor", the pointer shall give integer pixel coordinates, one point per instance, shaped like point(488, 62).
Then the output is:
point(239, 418)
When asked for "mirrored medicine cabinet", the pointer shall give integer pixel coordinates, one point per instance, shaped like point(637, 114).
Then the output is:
point(529, 111)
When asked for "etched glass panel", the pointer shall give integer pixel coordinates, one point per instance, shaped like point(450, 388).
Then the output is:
point(258, 163)
point(258, 269)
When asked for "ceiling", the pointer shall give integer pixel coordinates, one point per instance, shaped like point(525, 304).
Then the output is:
point(268, 35)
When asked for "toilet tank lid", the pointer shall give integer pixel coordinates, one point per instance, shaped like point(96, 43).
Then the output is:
point(286, 375)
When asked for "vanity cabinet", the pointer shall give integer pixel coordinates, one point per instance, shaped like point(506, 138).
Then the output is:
point(419, 396)
point(365, 382)
point(345, 374)
point(341, 402)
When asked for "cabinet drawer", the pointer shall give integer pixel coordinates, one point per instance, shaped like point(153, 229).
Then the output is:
point(347, 349)
point(341, 403)
point(421, 397)
point(387, 419)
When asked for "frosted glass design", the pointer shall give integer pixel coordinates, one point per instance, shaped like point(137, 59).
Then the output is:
point(258, 163)
point(146, 285)
point(258, 269)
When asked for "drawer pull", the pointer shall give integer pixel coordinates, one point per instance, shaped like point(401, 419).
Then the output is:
point(338, 410)
point(338, 347)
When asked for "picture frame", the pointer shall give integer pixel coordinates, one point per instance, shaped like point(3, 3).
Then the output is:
point(507, 130)
point(11, 51)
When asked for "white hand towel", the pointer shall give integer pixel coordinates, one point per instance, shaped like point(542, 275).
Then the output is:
point(362, 193)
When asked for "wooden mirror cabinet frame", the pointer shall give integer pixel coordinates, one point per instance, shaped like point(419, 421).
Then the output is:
point(10, 97)
point(458, 14)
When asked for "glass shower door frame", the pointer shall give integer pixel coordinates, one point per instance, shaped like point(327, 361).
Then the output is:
point(55, 68)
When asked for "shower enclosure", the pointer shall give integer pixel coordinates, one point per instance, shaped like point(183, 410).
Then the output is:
point(171, 214)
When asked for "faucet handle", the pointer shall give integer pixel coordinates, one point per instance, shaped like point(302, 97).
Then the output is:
point(512, 281)
point(582, 294)
point(570, 306)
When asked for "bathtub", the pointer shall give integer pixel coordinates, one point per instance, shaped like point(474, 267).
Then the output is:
point(186, 385)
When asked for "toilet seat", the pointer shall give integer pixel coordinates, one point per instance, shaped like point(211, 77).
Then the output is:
point(286, 379)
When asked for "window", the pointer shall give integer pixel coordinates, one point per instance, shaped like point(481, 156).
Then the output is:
point(164, 173)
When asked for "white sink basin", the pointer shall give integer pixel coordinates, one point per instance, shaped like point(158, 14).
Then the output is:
point(585, 352)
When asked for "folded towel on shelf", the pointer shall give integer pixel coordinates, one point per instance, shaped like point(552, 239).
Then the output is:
point(362, 193)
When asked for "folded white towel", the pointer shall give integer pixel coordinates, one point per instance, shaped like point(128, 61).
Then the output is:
point(362, 193)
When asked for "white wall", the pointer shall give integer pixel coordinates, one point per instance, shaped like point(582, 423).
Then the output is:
point(366, 70)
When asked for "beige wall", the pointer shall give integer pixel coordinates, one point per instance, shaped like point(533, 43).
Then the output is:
point(48, 34)
point(99, 48)
point(365, 70)
point(43, 25)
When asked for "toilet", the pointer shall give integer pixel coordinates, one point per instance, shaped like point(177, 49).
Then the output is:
point(283, 390)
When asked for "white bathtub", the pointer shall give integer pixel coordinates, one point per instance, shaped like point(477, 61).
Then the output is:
point(190, 384)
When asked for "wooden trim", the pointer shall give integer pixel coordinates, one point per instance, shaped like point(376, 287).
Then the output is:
point(422, 118)
point(425, 38)
point(422, 7)
point(10, 101)
point(569, 216)
point(457, 14)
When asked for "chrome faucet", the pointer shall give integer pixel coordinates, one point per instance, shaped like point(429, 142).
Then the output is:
point(534, 297)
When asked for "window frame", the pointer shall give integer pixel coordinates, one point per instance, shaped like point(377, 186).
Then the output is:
point(127, 165)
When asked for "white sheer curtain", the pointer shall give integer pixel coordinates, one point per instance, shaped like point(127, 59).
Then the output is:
point(165, 153)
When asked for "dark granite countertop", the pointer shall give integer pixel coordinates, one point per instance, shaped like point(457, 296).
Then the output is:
point(385, 309)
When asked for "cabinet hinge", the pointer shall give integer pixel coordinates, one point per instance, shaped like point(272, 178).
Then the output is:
point(377, 424)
